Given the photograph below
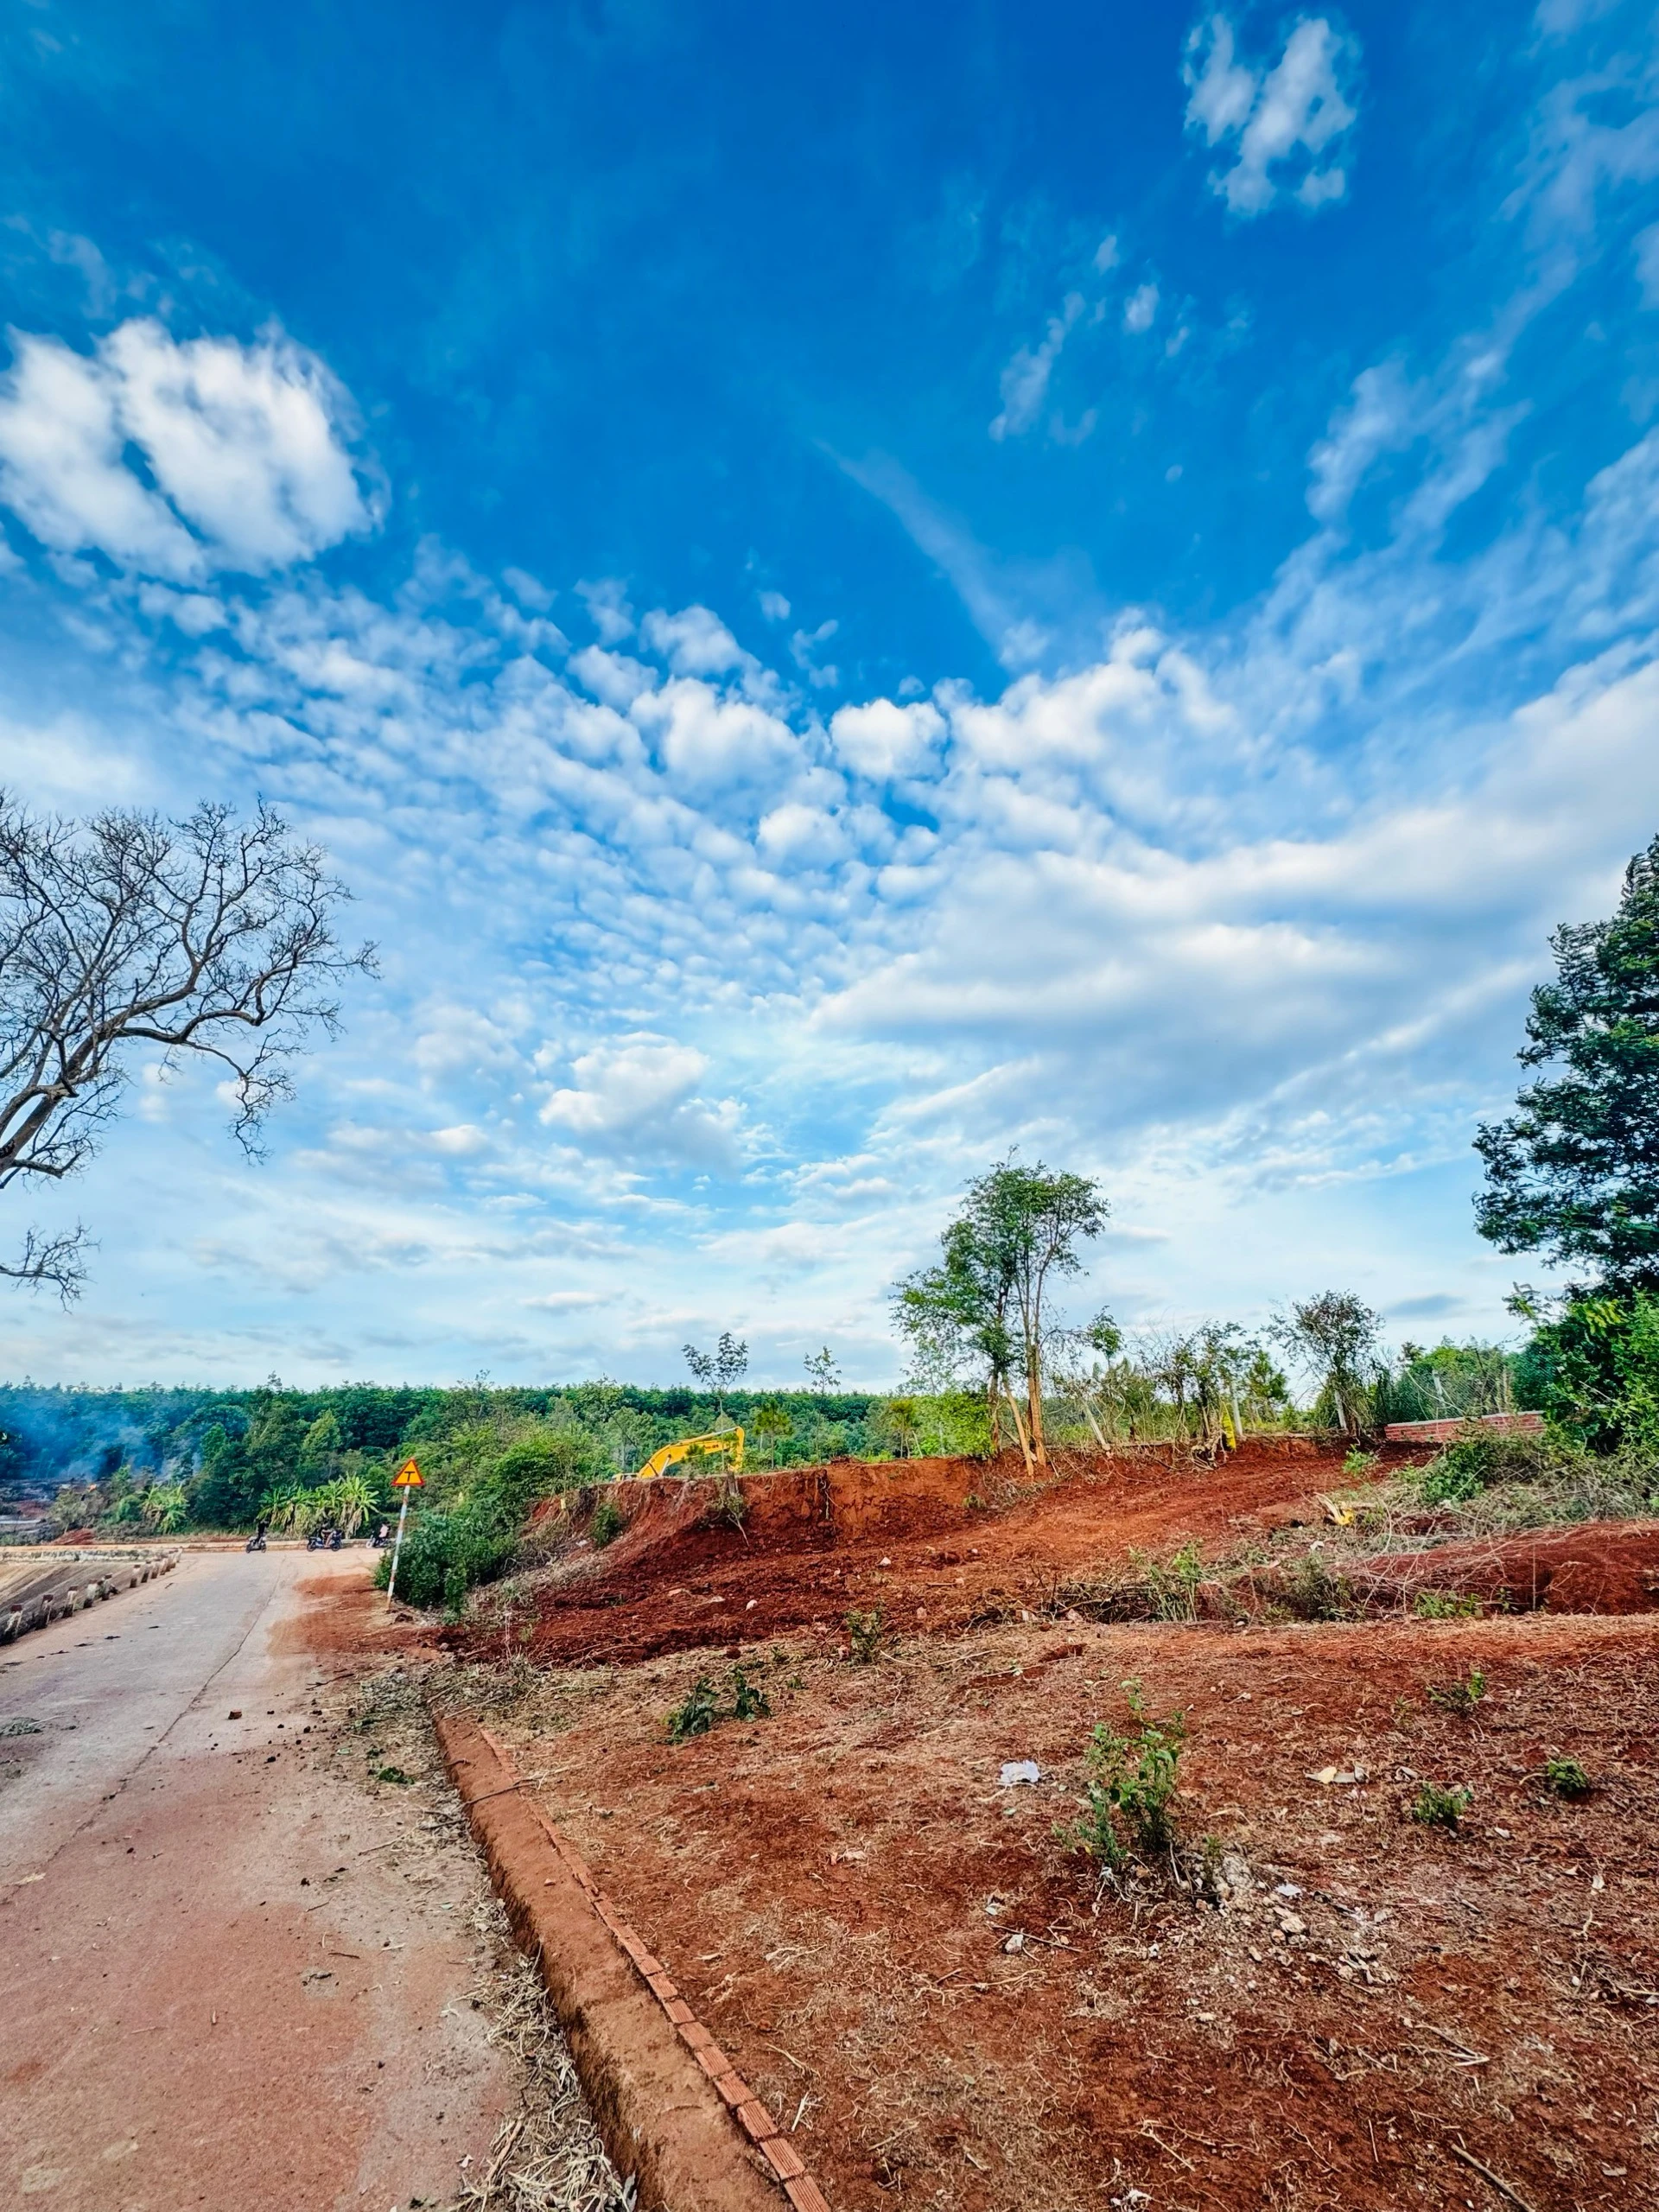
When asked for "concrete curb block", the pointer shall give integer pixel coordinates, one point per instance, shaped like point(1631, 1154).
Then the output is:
point(673, 2112)
point(41, 1608)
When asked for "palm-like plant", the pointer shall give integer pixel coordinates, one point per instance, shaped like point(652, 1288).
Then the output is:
point(166, 1509)
point(351, 1502)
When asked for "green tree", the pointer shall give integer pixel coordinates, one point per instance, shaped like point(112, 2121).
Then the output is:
point(1335, 1337)
point(899, 1422)
point(823, 1372)
point(721, 1370)
point(772, 1424)
point(1019, 1228)
point(320, 1448)
point(1573, 1174)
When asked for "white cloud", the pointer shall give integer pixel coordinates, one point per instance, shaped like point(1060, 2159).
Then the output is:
point(883, 739)
point(637, 1096)
point(607, 602)
point(706, 741)
point(1289, 117)
point(797, 835)
point(1647, 264)
point(1140, 309)
point(1026, 379)
point(615, 677)
point(774, 606)
point(243, 444)
point(694, 642)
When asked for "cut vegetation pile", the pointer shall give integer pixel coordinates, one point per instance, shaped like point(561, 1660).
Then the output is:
point(1013, 1871)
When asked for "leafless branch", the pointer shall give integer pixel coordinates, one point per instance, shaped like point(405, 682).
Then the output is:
point(211, 937)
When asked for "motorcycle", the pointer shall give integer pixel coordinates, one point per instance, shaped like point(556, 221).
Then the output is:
point(257, 1541)
point(381, 1540)
point(335, 1540)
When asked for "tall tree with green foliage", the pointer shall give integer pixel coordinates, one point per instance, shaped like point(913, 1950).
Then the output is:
point(1020, 1228)
point(1573, 1173)
point(1335, 1337)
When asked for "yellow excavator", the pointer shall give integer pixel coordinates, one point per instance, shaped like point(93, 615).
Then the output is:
point(727, 1442)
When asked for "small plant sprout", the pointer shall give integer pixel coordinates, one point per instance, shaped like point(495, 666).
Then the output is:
point(1358, 1464)
point(1566, 1778)
point(866, 1634)
point(1444, 1605)
point(1130, 1793)
point(750, 1700)
point(1460, 1698)
point(696, 1716)
point(1435, 1807)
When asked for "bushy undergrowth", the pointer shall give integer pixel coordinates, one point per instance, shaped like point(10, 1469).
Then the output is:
point(445, 1554)
point(1494, 1482)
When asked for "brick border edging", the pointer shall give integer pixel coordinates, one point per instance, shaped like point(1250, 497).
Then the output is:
point(608, 2073)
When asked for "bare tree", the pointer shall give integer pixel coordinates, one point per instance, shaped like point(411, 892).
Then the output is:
point(211, 937)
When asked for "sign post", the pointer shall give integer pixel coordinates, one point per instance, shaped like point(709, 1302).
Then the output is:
point(408, 1478)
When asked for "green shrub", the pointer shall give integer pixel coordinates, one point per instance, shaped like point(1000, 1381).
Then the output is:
point(1444, 1605)
point(1129, 1794)
point(1566, 1778)
point(1441, 1809)
point(443, 1551)
point(1479, 1457)
point(535, 1468)
point(607, 1523)
point(697, 1715)
point(1172, 1584)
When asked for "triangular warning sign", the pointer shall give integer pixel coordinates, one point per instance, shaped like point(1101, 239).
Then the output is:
point(409, 1477)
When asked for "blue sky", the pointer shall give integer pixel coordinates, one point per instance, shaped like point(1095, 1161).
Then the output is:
point(849, 588)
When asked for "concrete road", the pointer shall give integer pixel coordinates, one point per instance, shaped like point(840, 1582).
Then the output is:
point(233, 1971)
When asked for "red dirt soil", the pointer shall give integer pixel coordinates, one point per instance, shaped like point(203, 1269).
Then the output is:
point(837, 1887)
point(939, 1544)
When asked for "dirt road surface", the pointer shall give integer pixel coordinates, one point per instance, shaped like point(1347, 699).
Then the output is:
point(225, 1977)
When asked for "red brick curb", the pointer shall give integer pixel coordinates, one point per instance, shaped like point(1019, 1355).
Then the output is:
point(499, 1809)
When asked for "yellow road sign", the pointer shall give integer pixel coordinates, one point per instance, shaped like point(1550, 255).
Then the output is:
point(409, 1477)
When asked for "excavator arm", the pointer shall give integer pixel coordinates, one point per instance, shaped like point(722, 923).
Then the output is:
point(729, 1441)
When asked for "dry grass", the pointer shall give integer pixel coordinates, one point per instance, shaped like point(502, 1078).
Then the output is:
point(547, 2156)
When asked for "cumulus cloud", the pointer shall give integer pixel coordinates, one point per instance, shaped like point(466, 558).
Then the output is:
point(637, 1096)
point(1140, 309)
point(246, 448)
point(1282, 126)
point(884, 740)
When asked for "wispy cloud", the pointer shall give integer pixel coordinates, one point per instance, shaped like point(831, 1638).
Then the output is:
point(1282, 126)
point(1026, 379)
